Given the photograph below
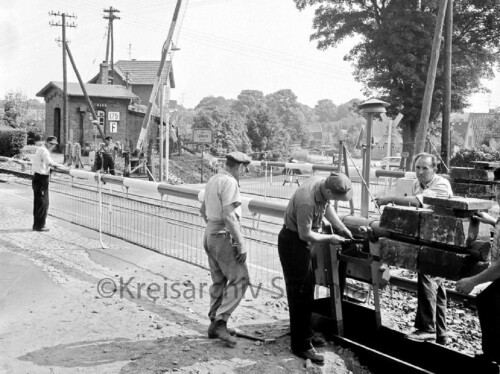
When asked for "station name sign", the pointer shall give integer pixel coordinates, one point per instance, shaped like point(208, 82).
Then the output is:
point(203, 136)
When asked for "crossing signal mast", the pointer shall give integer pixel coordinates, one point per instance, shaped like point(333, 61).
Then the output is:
point(154, 92)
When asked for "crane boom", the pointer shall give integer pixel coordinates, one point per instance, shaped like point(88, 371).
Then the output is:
point(154, 92)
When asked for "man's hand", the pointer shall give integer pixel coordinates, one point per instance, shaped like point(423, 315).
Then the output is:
point(382, 200)
point(346, 233)
point(60, 167)
point(336, 239)
point(484, 218)
point(465, 286)
point(241, 257)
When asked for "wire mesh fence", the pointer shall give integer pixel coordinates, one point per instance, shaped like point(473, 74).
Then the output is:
point(174, 232)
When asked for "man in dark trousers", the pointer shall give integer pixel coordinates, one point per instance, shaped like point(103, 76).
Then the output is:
point(108, 154)
point(488, 301)
point(225, 245)
point(41, 165)
point(430, 320)
point(303, 218)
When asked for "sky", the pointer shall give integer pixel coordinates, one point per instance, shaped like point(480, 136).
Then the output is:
point(226, 46)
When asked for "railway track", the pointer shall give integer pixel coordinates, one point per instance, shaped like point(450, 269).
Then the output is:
point(384, 350)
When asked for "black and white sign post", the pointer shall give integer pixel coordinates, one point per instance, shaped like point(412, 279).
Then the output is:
point(202, 136)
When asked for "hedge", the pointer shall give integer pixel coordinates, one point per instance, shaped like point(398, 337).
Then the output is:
point(465, 157)
point(12, 141)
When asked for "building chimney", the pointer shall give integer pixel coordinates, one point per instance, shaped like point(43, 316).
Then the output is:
point(104, 72)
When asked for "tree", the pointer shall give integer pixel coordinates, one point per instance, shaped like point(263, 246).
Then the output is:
point(15, 106)
point(212, 102)
point(267, 135)
point(392, 58)
point(288, 110)
point(228, 126)
point(326, 111)
point(249, 100)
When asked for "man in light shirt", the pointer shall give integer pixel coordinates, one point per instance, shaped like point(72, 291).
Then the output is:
point(41, 165)
point(430, 321)
point(225, 245)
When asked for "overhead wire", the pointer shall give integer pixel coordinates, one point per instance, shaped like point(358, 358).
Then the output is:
point(282, 58)
point(97, 53)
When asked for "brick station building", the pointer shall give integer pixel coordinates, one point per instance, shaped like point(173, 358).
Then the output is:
point(120, 107)
point(111, 104)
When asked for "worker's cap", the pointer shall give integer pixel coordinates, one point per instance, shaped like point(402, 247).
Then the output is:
point(239, 157)
point(496, 175)
point(52, 140)
point(340, 186)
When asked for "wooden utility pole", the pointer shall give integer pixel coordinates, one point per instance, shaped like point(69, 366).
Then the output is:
point(84, 90)
point(110, 44)
point(64, 24)
point(431, 78)
point(445, 129)
point(162, 92)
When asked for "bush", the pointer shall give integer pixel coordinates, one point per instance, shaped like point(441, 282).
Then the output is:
point(465, 157)
point(12, 141)
point(35, 133)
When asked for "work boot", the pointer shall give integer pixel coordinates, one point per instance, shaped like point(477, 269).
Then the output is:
point(422, 336)
point(312, 355)
point(317, 340)
point(218, 329)
point(443, 340)
point(211, 330)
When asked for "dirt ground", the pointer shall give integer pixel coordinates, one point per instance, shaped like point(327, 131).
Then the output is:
point(70, 306)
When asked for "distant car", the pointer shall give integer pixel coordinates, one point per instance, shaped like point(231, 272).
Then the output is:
point(394, 163)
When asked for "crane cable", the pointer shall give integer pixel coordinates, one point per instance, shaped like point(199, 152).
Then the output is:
point(364, 182)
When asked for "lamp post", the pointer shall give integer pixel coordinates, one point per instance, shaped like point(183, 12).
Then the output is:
point(369, 107)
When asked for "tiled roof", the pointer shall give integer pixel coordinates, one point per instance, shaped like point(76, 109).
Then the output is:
point(93, 90)
point(141, 72)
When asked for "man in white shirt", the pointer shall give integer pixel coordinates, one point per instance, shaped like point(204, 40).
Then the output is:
point(41, 165)
point(430, 321)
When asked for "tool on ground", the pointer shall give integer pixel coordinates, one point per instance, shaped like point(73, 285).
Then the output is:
point(241, 334)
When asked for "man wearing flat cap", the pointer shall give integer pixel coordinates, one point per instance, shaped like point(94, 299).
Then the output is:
point(225, 246)
point(41, 165)
point(303, 217)
point(488, 301)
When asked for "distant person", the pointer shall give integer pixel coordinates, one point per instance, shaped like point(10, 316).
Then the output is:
point(225, 245)
point(303, 218)
point(488, 301)
point(41, 165)
point(430, 321)
point(108, 154)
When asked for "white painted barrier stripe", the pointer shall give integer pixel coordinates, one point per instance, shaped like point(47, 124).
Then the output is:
point(82, 174)
point(141, 185)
